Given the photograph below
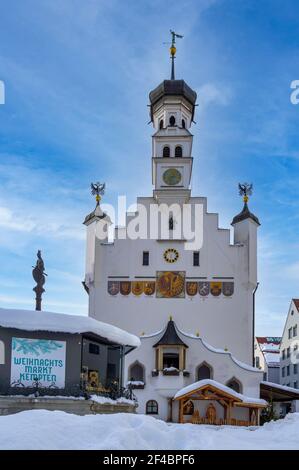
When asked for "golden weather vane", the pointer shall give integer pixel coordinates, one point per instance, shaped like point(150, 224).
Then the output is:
point(172, 49)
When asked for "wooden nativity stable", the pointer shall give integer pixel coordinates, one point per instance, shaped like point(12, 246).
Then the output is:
point(209, 402)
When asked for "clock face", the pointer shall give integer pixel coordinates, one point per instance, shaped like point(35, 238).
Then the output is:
point(171, 255)
point(172, 176)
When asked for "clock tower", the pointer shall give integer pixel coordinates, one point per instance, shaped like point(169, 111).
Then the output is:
point(172, 105)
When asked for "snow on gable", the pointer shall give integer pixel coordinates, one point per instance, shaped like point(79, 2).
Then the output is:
point(31, 320)
point(202, 383)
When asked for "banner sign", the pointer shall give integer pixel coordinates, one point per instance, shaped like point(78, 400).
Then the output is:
point(37, 360)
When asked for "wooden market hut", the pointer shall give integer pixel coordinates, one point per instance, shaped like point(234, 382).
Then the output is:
point(212, 391)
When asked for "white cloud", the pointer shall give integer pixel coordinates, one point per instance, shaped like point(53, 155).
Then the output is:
point(210, 93)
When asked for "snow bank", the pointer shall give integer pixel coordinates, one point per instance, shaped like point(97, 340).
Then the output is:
point(40, 429)
point(31, 320)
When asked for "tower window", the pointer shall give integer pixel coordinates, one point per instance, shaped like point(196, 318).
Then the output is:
point(166, 152)
point(183, 123)
point(172, 121)
point(170, 223)
point(178, 151)
point(145, 258)
point(195, 258)
point(161, 124)
point(151, 407)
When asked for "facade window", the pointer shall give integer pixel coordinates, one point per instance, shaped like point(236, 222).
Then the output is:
point(288, 352)
point(257, 362)
point(136, 372)
point(145, 258)
point(283, 372)
point(295, 368)
point(292, 312)
point(294, 331)
point(295, 384)
point(171, 360)
point(195, 258)
point(283, 354)
point(166, 151)
point(161, 124)
point(204, 371)
point(178, 152)
point(172, 121)
point(288, 370)
point(170, 223)
point(290, 333)
point(151, 407)
point(235, 385)
point(183, 123)
point(94, 348)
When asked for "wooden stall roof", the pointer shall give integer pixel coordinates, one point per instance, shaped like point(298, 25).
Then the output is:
point(278, 393)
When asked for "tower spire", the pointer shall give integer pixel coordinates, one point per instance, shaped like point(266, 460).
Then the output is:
point(173, 51)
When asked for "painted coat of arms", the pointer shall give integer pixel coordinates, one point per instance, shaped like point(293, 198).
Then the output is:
point(149, 287)
point(203, 288)
point(113, 287)
point(170, 284)
point(137, 287)
point(191, 288)
point(125, 287)
point(228, 288)
point(216, 288)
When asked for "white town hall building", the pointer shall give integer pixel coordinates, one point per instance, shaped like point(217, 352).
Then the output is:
point(192, 306)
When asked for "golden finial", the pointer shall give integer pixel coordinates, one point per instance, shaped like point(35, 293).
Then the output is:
point(170, 317)
point(197, 334)
point(225, 349)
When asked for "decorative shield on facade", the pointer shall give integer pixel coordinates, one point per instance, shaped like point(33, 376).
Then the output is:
point(191, 288)
point(216, 288)
point(203, 288)
point(149, 287)
point(228, 288)
point(113, 287)
point(170, 284)
point(125, 287)
point(137, 287)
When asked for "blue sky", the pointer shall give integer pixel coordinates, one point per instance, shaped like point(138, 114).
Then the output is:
point(77, 76)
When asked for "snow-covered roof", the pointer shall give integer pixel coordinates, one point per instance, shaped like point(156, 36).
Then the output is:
point(272, 358)
point(284, 388)
point(31, 320)
point(223, 388)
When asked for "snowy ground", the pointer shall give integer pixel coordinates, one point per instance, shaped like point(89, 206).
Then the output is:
point(40, 429)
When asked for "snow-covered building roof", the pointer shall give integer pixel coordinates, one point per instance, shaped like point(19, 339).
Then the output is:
point(201, 384)
point(269, 345)
point(31, 320)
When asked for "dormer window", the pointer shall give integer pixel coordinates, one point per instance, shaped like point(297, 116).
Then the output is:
point(172, 121)
point(166, 152)
point(178, 151)
point(161, 124)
